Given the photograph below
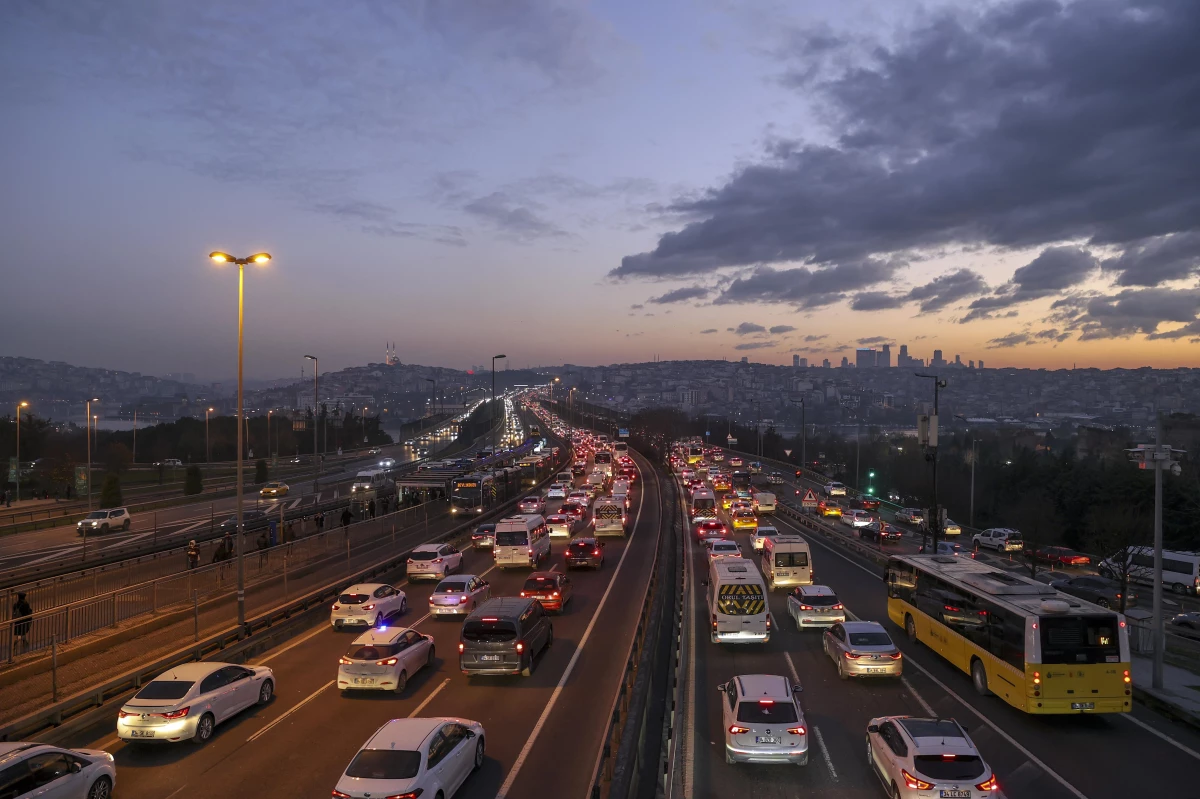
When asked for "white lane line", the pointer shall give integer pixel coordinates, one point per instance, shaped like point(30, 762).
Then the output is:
point(825, 752)
point(191, 527)
point(562, 681)
point(689, 746)
point(290, 711)
point(296, 503)
point(1162, 735)
point(429, 698)
point(53, 556)
point(928, 708)
point(792, 666)
point(177, 791)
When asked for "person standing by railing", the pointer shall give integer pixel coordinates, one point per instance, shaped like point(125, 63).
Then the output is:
point(193, 554)
point(22, 613)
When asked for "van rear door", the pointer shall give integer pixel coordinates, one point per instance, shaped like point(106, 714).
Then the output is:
point(512, 547)
point(741, 609)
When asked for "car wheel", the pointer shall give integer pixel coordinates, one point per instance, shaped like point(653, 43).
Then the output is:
point(841, 666)
point(979, 678)
point(432, 655)
point(101, 789)
point(895, 791)
point(1179, 588)
point(104, 529)
point(528, 670)
point(266, 692)
point(549, 637)
point(403, 606)
point(910, 627)
point(204, 729)
point(401, 682)
point(479, 752)
point(125, 526)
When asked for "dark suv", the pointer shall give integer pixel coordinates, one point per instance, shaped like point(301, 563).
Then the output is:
point(504, 636)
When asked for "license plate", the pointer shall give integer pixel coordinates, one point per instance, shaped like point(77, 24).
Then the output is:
point(955, 793)
point(1083, 706)
point(876, 671)
point(765, 740)
point(364, 680)
point(489, 657)
point(141, 733)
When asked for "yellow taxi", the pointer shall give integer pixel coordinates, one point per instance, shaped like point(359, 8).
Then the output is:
point(721, 482)
point(274, 489)
point(827, 508)
point(745, 520)
point(727, 500)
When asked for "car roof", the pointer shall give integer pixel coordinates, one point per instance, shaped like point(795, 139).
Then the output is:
point(12, 749)
point(543, 576)
point(583, 540)
point(192, 671)
point(363, 588)
point(763, 686)
point(502, 606)
point(816, 590)
point(428, 547)
point(406, 734)
point(940, 735)
point(863, 627)
point(381, 635)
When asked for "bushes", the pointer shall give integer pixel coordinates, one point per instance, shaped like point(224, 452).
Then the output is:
point(193, 481)
point(110, 495)
point(260, 471)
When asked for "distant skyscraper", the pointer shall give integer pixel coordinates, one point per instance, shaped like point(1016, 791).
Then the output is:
point(981, 363)
point(970, 364)
point(884, 359)
point(864, 358)
point(825, 364)
point(845, 362)
point(937, 359)
point(795, 361)
point(902, 358)
point(804, 363)
point(958, 360)
point(745, 359)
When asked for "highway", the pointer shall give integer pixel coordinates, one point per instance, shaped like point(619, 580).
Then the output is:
point(1084, 757)
point(543, 732)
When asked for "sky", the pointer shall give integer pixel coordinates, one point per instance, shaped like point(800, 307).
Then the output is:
point(591, 183)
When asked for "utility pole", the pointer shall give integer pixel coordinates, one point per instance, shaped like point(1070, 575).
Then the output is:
point(316, 455)
point(803, 434)
point(928, 437)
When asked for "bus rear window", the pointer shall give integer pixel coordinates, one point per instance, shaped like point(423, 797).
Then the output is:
point(1080, 639)
point(512, 538)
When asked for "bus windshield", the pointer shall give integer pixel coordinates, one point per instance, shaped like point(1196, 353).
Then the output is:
point(1080, 639)
point(603, 457)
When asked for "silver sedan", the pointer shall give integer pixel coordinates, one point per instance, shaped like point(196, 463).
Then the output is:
point(190, 700)
point(862, 649)
point(459, 595)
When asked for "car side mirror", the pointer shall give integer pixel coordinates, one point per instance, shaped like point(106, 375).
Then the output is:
point(797, 688)
point(76, 767)
point(872, 728)
point(470, 734)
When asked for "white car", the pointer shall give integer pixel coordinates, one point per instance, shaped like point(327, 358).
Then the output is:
point(911, 516)
point(367, 605)
point(916, 758)
point(532, 504)
point(835, 489)
point(373, 451)
point(187, 702)
point(101, 521)
point(857, 518)
point(763, 721)
point(384, 659)
point(459, 595)
point(433, 561)
point(428, 757)
point(815, 606)
point(387, 463)
point(721, 548)
point(556, 491)
point(582, 497)
point(1001, 539)
point(560, 526)
point(761, 535)
point(41, 770)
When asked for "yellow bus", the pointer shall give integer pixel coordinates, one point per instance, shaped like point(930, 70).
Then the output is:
point(1040, 650)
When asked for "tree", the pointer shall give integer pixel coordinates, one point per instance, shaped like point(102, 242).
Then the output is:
point(110, 495)
point(1037, 519)
point(117, 457)
point(1113, 533)
point(260, 471)
point(193, 481)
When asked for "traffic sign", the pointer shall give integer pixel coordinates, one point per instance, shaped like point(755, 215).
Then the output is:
point(809, 500)
point(787, 453)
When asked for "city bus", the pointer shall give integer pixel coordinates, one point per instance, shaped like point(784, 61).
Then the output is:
point(1040, 650)
point(620, 448)
point(604, 462)
point(695, 453)
point(472, 493)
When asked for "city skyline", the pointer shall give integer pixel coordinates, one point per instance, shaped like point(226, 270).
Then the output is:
point(414, 171)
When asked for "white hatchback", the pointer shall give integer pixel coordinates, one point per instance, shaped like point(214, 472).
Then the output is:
point(556, 491)
point(367, 605)
point(414, 757)
point(857, 518)
point(433, 561)
point(384, 659)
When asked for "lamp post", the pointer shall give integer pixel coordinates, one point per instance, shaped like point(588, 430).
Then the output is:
point(316, 457)
point(1157, 456)
point(20, 405)
point(207, 445)
point(930, 444)
point(224, 258)
point(88, 431)
point(364, 422)
point(432, 394)
point(803, 434)
point(268, 432)
point(133, 457)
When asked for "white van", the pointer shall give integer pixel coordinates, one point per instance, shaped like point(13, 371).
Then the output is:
point(786, 560)
point(522, 541)
point(608, 517)
point(1181, 570)
point(764, 502)
point(620, 486)
point(370, 480)
point(703, 505)
point(737, 603)
point(597, 479)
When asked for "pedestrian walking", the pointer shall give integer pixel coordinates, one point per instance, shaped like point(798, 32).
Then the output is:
point(346, 517)
point(289, 531)
point(371, 509)
point(320, 520)
point(227, 542)
point(220, 554)
point(193, 554)
point(4, 498)
point(22, 613)
point(263, 546)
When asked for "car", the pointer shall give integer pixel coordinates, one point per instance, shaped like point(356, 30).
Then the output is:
point(775, 478)
point(556, 491)
point(762, 720)
point(1061, 556)
point(433, 561)
point(367, 605)
point(815, 606)
point(918, 757)
point(1095, 589)
point(413, 757)
point(862, 649)
point(735, 462)
point(744, 519)
point(717, 455)
point(1189, 620)
point(584, 552)
point(880, 531)
point(387, 463)
point(945, 548)
point(174, 463)
point(573, 509)
point(579, 468)
point(762, 534)
point(866, 502)
point(532, 504)
point(40, 770)
point(581, 497)
point(834, 489)
point(727, 500)
point(825, 508)
point(374, 451)
point(484, 537)
point(552, 589)
point(720, 548)
point(911, 516)
point(250, 518)
point(740, 505)
point(711, 528)
point(857, 518)
point(274, 489)
point(102, 521)
point(504, 636)
point(384, 660)
point(1001, 539)
point(187, 702)
point(459, 595)
point(951, 527)
point(560, 524)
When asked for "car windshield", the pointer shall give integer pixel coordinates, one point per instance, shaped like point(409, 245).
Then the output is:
point(488, 632)
point(870, 639)
point(723, 546)
point(451, 586)
point(372, 651)
point(353, 599)
point(1080, 639)
point(950, 768)
point(766, 712)
point(384, 764)
point(512, 538)
point(423, 554)
point(165, 689)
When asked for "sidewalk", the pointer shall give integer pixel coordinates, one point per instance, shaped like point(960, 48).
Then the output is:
point(1179, 697)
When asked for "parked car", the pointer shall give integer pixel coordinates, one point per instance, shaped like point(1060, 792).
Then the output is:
point(1095, 589)
point(102, 521)
point(1061, 556)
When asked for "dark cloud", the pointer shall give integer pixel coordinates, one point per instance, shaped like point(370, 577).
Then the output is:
point(1157, 260)
point(1011, 340)
point(383, 220)
point(1055, 269)
point(513, 220)
point(746, 328)
point(866, 342)
point(947, 289)
point(636, 306)
point(1027, 124)
point(805, 287)
point(1052, 334)
point(816, 338)
point(709, 330)
point(756, 345)
point(777, 329)
point(875, 301)
point(1130, 312)
point(680, 295)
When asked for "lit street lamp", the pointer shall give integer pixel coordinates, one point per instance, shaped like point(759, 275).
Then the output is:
point(207, 447)
point(88, 435)
point(224, 258)
point(20, 405)
point(927, 437)
point(803, 435)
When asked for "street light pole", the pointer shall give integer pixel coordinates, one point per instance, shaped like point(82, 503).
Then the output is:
point(259, 258)
point(934, 523)
point(974, 457)
point(88, 431)
point(133, 457)
point(316, 457)
point(20, 405)
point(207, 440)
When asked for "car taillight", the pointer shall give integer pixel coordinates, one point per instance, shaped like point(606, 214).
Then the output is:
point(121, 714)
point(520, 646)
point(369, 607)
point(838, 606)
point(806, 607)
point(339, 795)
point(462, 599)
point(768, 622)
point(336, 607)
point(522, 595)
point(852, 656)
point(437, 560)
point(344, 661)
point(175, 714)
point(554, 595)
point(595, 552)
point(914, 782)
point(736, 730)
point(714, 622)
point(529, 552)
point(461, 647)
point(388, 662)
point(989, 784)
point(895, 656)
point(797, 731)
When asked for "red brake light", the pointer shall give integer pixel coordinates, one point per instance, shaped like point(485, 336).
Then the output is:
point(339, 795)
point(461, 647)
point(766, 701)
point(335, 607)
point(344, 661)
point(388, 662)
point(121, 714)
point(520, 646)
point(914, 782)
point(806, 607)
point(896, 656)
point(596, 552)
point(369, 607)
point(175, 714)
point(714, 622)
point(736, 730)
point(489, 618)
point(435, 560)
point(852, 656)
point(797, 730)
point(838, 606)
point(522, 595)
point(989, 784)
point(462, 599)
